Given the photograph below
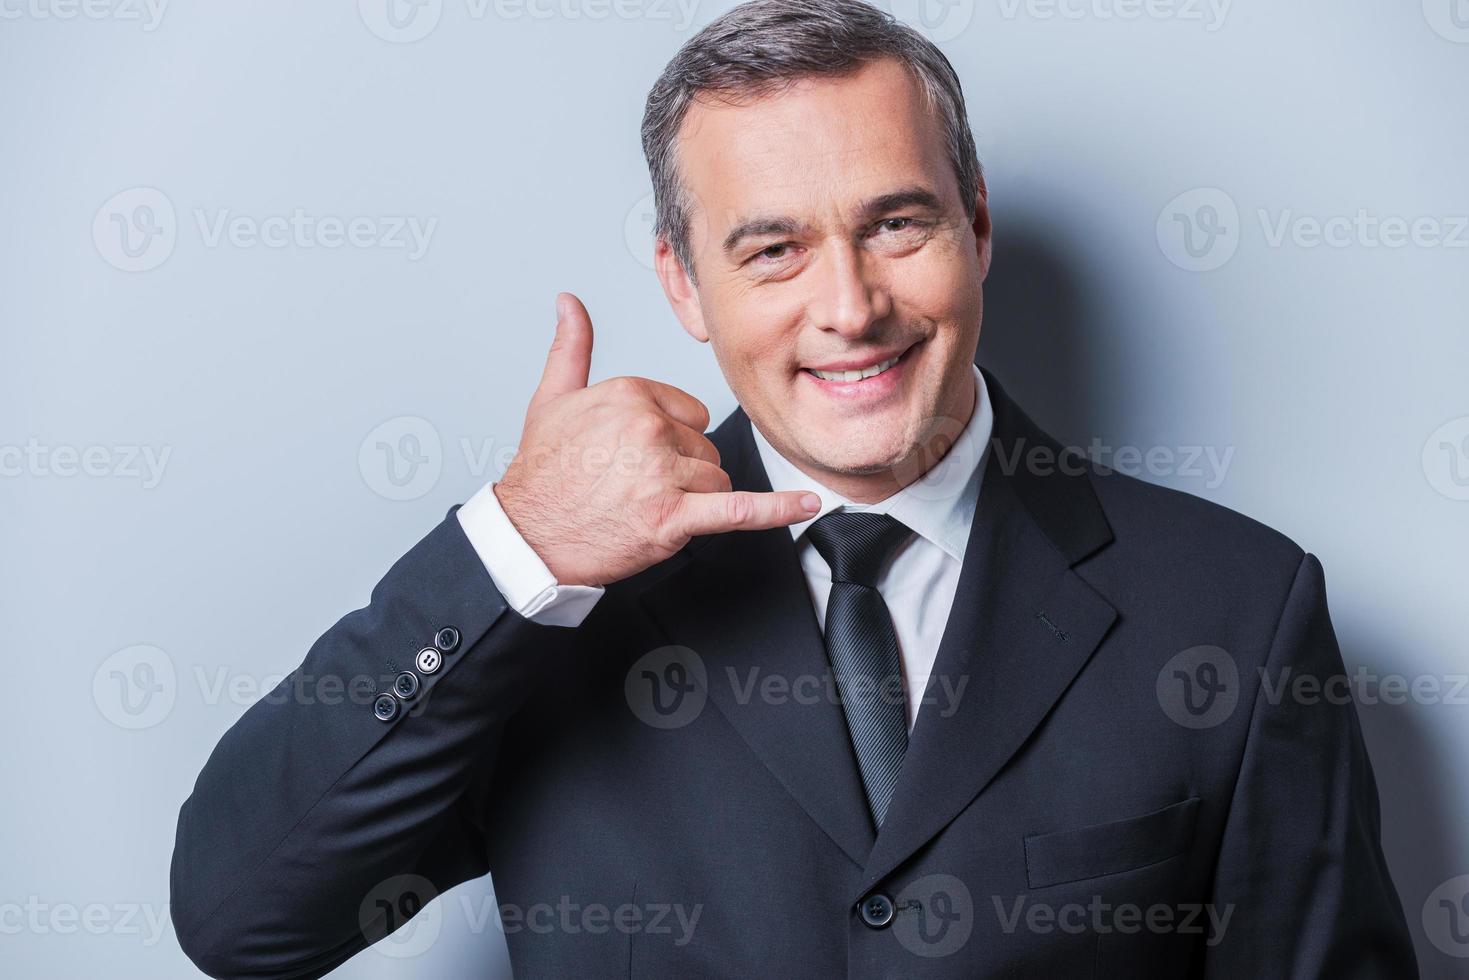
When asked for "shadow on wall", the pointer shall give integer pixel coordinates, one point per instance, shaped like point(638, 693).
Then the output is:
point(1036, 340)
point(1415, 785)
point(1047, 337)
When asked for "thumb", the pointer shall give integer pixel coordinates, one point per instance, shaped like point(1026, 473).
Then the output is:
point(570, 360)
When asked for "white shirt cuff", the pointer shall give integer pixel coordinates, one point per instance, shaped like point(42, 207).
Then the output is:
point(517, 571)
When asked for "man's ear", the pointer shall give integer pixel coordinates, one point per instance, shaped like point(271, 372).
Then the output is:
point(981, 225)
point(680, 290)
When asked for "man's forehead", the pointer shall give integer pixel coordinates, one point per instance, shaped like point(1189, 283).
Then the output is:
point(836, 139)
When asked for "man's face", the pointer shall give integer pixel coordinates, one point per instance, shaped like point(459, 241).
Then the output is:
point(828, 238)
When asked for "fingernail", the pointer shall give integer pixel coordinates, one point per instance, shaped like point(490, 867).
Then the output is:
point(810, 503)
point(560, 307)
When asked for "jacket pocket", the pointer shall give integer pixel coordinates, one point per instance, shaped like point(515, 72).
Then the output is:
point(1110, 848)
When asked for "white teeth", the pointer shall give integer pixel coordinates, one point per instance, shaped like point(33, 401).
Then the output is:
point(868, 372)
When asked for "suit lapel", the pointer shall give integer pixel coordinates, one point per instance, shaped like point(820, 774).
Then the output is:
point(1022, 626)
point(741, 603)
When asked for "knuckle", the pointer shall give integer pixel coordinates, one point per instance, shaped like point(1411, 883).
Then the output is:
point(739, 508)
point(623, 386)
point(649, 426)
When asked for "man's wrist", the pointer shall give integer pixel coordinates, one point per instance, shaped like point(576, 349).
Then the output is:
point(519, 573)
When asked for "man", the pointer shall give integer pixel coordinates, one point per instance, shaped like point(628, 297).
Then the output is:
point(871, 681)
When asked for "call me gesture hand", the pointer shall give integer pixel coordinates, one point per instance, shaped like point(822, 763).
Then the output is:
point(615, 477)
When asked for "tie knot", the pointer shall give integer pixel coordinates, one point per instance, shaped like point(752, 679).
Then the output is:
point(856, 543)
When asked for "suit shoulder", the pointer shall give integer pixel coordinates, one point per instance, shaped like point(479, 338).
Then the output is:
point(1146, 517)
point(1186, 570)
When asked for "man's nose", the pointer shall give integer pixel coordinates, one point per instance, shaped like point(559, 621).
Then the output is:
point(848, 298)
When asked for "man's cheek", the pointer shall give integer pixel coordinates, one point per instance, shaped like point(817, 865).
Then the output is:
point(939, 278)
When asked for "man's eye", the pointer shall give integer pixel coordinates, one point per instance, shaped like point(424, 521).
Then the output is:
point(773, 251)
point(900, 235)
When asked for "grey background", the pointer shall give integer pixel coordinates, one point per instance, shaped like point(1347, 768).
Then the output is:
point(1333, 374)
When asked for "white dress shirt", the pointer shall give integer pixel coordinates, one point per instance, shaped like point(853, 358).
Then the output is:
point(918, 584)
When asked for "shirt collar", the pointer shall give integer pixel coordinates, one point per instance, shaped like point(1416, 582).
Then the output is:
point(939, 506)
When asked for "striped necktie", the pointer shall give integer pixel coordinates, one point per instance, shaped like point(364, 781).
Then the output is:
point(862, 646)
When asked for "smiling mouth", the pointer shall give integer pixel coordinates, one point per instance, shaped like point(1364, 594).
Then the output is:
point(871, 371)
point(855, 375)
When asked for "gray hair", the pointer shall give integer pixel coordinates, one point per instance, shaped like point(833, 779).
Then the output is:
point(763, 45)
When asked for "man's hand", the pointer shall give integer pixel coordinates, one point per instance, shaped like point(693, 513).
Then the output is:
point(614, 478)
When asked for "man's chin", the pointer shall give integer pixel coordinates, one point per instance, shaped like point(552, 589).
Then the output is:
point(865, 460)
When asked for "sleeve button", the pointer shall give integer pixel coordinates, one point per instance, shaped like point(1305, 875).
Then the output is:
point(447, 639)
point(405, 685)
point(429, 659)
point(385, 707)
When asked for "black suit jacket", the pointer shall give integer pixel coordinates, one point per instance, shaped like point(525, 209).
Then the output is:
point(1109, 778)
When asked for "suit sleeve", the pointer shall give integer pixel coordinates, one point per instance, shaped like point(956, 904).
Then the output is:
point(1301, 871)
point(311, 805)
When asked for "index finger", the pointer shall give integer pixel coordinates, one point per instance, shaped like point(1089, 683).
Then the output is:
point(744, 510)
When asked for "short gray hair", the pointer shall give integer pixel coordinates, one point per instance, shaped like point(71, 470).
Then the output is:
point(763, 45)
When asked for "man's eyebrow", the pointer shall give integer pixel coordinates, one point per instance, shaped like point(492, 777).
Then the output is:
point(906, 197)
point(761, 226)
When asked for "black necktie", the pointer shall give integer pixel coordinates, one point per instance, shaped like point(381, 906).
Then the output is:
point(862, 645)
